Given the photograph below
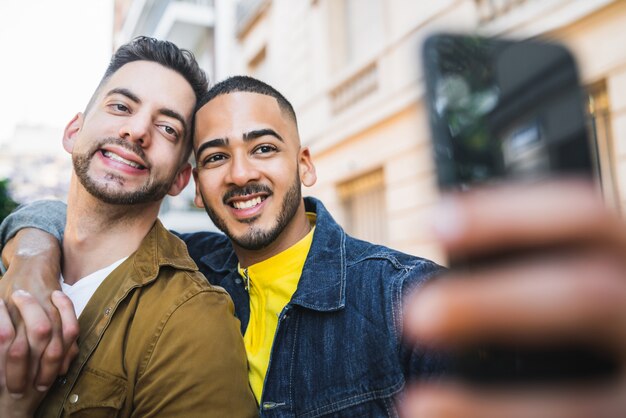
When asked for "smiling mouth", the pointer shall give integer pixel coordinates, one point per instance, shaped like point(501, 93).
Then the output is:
point(112, 156)
point(247, 204)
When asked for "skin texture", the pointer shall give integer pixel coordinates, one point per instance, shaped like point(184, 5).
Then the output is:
point(247, 148)
point(572, 291)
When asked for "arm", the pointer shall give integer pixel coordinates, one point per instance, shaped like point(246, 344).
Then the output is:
point(574, 291)
point(33, 260)
point(200, 358)
point(419, 362)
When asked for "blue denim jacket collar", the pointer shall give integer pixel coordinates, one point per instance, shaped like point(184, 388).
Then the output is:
point(323, 281)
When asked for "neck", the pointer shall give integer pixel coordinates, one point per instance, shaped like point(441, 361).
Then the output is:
point(98, 234)
point(297, 229)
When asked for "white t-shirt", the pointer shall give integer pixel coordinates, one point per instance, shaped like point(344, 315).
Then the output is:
point(81, 291)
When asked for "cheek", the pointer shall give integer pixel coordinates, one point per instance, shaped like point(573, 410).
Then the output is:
point(208, 184)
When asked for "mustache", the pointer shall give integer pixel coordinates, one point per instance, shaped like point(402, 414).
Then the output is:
point(246, 190)
point(122, 143)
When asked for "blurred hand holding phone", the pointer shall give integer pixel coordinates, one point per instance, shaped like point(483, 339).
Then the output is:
point(504, 111)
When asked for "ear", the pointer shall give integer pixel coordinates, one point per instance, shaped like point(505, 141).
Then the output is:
point(181, 180)
point(72, 128)
point(308, 177)
point(197, 200)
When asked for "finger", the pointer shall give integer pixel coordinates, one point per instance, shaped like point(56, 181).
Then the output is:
point(7, 333)
point(523, 216)
point(68, 317)
point(70, 329)
point(572, 297)
point(17, 363)
point(38, 333)
point(72, 352)
point(452, 401)
point(54, 356)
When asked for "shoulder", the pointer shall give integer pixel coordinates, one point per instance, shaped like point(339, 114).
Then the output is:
point(176, 287)
point(205, 242)
point(363, 252)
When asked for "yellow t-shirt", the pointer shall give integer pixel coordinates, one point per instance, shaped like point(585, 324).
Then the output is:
point(271, 283)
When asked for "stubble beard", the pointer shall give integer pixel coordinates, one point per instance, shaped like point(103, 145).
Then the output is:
point(256, 238)
point(151, 191)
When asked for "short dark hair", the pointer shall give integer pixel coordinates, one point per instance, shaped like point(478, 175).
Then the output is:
point(166, 53)
point(243, 83)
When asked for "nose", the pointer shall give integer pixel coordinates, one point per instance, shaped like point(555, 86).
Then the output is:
point(136, 128)
point(242, 170)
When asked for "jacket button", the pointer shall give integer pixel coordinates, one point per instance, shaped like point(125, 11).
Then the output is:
point(73, 398)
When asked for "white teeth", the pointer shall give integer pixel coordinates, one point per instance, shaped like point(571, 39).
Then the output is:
point(116, 157)
point(248, 203)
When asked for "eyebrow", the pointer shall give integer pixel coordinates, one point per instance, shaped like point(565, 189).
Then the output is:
point(124, 92)
point(217, 142)
point(247, 137)
point(163, 111)
point(252, 135)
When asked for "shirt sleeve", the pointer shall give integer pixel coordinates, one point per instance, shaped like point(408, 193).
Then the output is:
point(417, 361)
point(198, 367)
point(47, 215)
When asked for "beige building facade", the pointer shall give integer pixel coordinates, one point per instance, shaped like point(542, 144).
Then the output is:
point(353, 73)
point(352, 70)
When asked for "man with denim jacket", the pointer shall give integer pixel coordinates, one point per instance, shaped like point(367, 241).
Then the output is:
point(155, 338)
point(322, 334)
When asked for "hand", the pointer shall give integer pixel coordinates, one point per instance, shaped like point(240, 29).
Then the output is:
point(45, 352)
point(24, 402)
point(573, 291)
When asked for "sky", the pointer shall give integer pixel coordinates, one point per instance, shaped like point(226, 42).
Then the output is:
point(52, 55)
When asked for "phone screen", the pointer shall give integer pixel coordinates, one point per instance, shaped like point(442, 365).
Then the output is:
point(502, 109)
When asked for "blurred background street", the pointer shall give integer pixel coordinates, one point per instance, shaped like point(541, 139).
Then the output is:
point(351, 68)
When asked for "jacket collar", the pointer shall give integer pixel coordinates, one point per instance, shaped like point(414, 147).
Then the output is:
point(160, 248)
point(323, 281)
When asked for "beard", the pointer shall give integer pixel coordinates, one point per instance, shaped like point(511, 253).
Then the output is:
point(152, 190)
point(256, 238)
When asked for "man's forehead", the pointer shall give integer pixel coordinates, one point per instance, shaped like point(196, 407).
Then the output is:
point(149, 80)
point(240, 109)
point(242, 100)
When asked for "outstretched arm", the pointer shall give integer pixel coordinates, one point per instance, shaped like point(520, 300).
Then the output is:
point(573, 291)
point(33, 260)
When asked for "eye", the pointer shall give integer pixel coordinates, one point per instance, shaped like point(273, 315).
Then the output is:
point(265, 149)
point(214, 160)
point(168, 130)
point(119, 107)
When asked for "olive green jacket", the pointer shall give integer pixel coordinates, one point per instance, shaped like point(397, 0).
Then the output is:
point(156, 339)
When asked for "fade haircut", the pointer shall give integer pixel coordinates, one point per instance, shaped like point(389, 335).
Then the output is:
point(167, 54)
point(243, 83)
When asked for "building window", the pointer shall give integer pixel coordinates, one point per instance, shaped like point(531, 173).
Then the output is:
point(600, 128)
point(357, 30)
point(363, 200)
point(257, 66)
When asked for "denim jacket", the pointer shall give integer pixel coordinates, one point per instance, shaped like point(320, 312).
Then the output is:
point(337, 351)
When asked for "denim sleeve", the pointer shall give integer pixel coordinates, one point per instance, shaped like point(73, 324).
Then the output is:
point(421, 363)
point(47, 215)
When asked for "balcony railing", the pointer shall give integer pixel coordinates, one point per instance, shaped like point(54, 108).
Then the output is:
point(147, 19)
point(489, 10)
point(247, 12)
point(355, 88)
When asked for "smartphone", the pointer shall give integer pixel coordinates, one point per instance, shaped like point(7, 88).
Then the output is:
point(504, 110)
